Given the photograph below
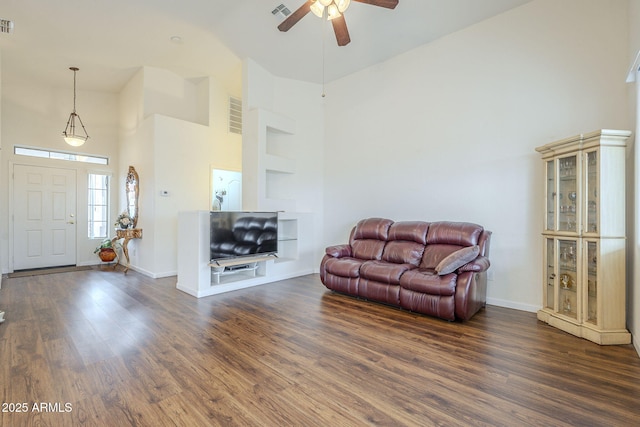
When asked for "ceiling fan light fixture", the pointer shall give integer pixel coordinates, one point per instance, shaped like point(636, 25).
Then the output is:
point(333, 12)
point(318, 9)
point(343, 5)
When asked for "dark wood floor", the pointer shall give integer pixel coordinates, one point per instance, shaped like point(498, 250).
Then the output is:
point(101, 348)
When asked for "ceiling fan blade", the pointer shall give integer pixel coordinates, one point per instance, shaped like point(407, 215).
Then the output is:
point(342, 33)
point(389, 4)
point(293, 19)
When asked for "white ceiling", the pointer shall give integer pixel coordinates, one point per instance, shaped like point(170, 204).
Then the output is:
point(109, 39)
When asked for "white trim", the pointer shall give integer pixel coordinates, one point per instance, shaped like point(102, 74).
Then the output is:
point(514, 305)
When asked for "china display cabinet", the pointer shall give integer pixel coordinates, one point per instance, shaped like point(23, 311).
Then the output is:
point(584, 283)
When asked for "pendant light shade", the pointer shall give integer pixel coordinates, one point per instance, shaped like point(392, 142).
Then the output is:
point(334, 8)
point(71, 134)
point(343, 5)
point(317, 8)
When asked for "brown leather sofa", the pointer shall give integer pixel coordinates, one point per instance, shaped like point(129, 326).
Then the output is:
point(437, 268)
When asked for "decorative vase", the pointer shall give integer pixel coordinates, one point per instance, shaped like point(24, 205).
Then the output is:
point(107, 255)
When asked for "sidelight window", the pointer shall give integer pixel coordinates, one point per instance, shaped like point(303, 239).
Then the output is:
point(98, 198)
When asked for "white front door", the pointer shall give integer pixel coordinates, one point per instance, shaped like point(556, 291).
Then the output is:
point(44, 220)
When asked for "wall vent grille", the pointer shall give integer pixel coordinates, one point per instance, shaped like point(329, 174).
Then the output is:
point(235, 115)
point(281, 10)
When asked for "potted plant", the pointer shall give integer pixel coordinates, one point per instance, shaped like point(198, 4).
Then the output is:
point(107, 250)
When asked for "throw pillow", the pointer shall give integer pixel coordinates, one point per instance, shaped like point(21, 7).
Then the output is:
point(457, 259)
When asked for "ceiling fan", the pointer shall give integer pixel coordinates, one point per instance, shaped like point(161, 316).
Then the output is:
point(333, 10)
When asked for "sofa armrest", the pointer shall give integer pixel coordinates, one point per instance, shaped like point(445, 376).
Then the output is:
point(338, 251)
point(477, 265)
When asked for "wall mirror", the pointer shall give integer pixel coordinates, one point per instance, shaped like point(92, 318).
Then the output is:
point(132, 189)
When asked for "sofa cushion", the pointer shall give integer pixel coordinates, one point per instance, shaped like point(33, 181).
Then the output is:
point(369, 237)
point(367, 249)
point(454, 233)
point(428, 282)
point(344, 267)
point(403, 252)
point(384, 272)
point(411, 231)
point(433, 254)
point(457, 259)
point(372, 228)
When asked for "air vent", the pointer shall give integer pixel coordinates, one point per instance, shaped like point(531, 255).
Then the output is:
point(281, 10)
point(6, 26)
point(235, 115)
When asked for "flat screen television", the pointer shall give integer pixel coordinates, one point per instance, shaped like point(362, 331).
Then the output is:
point(243, 234)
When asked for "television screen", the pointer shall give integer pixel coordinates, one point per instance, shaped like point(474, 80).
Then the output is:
point(238, 234)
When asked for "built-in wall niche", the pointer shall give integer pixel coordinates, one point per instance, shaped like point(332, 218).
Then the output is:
point(279, 143)
point(226, 190)
point(279, 188)
point(280, 169)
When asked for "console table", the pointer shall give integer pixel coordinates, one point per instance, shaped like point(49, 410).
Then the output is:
point(127, 234)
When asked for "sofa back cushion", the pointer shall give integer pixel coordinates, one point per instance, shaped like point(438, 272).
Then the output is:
point(369, 237)
point(445, 237)
point(406, 242)
point(412, 231)
point(454, 233)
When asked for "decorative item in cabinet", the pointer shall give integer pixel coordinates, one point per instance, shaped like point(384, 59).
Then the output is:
point(567, 189)
point(551, 196)
point(591, 191)
point(592, 282)
point(567, 278)
point(549, 290)
point(585, 236)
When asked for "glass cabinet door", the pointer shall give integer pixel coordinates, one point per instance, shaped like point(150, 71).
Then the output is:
point(551, 196)
point(592, 282)
point(591, 192)
point(550, 273)
point(568, 277)
point(568, 193)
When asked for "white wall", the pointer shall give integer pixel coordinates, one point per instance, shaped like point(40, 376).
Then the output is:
point(174, 131)
point(3, 247)
point(447, 131)
point(633, 221)
point(170, 94)
point(301, 103)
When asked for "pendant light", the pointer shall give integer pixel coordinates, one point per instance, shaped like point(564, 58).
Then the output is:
point(70, 136)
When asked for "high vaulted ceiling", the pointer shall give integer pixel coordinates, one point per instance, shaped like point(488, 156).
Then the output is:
point(109, 40)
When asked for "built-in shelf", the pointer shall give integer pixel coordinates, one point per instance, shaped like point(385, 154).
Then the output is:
point(199, 276)
point(236, 272)
point(268, 144)
point(232, 262)
point(279, 164)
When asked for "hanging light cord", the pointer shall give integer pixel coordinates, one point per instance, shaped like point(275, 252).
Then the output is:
point(74, 88)
point(324, 37)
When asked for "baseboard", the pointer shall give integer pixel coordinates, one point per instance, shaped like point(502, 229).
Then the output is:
point(514, 305)
point(151, 274)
